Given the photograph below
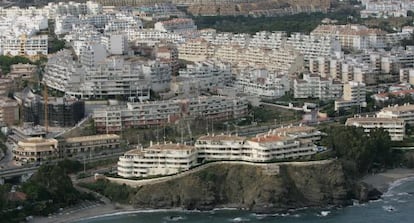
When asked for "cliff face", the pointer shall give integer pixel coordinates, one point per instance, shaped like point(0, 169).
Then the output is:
point(250, 187)
point(264, 7)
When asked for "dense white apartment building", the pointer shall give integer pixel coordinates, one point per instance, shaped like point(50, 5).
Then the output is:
point(203, 76)
point(63, 74)
point(143, 114)
point(386, 8)
point(157, 159)
point(124, 23)
point(369, 66)
point(158, 11)
point(394, 126)
point(115, 44)
point(24, 45)
point(152, 37)
point(313, 47)
point(54, 10)
point(111, 77)
point(179, 25)
point(315, 86)
point(18, 36)
point(404, 112)
point(285, 59)
point(164, 159)
point(356, 37)
point(262, 83)
point(354, 94)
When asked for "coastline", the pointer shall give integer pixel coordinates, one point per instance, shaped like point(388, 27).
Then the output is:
point(381, 181)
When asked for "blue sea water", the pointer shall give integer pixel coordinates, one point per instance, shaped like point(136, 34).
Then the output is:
point(397, 205)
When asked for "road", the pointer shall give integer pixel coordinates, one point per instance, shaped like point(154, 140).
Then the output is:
point(7, 161)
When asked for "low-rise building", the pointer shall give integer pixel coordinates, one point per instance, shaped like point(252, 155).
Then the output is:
point(159, 159)
point(35, 149)
point(405, 112)
point(394, 126)
point(162, 159)
point(89, 144)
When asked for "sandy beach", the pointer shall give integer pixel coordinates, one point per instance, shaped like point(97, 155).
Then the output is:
point(78, 213)
point(382, 181)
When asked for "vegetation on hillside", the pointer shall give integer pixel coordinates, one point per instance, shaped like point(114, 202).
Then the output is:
point(47, 190)
point(7, 61)
point(302, 22)
point(367, 152)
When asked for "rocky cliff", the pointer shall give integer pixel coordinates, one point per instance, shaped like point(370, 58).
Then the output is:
point(250, 187)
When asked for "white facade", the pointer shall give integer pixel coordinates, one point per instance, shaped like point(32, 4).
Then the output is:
point(314, 86)
point(24, 45)
point(354, 94)
point(208, 74)
point(405, 112)
point(116, 44)
point(352, 36)
point(262, 83)
point(164, 159)
point(180, 25)
point(159, 159)
point(143, 114)
point(394, 126)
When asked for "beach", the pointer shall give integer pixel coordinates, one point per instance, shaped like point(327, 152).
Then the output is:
point(78, 213)
point(381, 181)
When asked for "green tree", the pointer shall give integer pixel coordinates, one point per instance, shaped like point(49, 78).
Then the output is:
point(367, 150)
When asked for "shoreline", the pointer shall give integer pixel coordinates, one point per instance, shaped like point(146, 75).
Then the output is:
point(381, 181)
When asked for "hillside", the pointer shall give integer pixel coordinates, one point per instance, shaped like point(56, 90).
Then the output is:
point(250, 187)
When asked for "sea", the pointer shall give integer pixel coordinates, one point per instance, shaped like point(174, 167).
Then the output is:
point(396, 205)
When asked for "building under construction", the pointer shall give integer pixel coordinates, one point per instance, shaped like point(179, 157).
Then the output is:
point(61, 111)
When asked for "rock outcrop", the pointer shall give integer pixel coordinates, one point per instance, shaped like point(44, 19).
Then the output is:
point(249, 187)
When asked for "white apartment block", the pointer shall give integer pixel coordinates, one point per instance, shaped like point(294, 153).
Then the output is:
point(262, 83)
point(195, 50)
point(54, 10)
point(404, 112)
point(157, 159)
point(394, 126)
point(24, 45)
point(158, 11)
point(208, 75)
point(314, 47)
point(354, 94)
point(285, 59)
point(282, 143)
point(124, 23)
point(142, 114)
point(314, 86)
point(64, 24)
point(116, 44)
point(152, 37)
point(113, 76)
point(18, 35)
point(62, 73)
point(386, 8)
point(165, 159)
point(356, 37)
point(407, 75)
point(180, 25)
